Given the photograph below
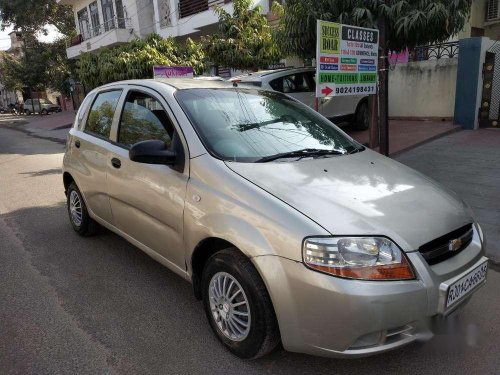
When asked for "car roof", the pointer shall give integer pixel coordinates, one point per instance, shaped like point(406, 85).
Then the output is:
point(177, 83)
point(256, 76)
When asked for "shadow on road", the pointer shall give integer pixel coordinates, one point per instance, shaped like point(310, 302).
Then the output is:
point(148, 320)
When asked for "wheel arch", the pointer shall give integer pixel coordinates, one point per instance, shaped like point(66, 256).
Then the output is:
point(201, 253)
point(67, 180)
point(361, 102)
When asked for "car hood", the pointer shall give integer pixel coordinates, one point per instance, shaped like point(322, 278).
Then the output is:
point(362, 194)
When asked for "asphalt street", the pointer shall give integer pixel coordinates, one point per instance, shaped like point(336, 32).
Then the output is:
point(71, 305)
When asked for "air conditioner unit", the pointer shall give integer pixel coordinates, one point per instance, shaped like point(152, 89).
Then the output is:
point(492, 11)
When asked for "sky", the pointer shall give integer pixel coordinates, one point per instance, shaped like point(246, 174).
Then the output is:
point(5, 39)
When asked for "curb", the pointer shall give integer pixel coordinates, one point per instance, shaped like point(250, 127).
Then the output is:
point(448, 132)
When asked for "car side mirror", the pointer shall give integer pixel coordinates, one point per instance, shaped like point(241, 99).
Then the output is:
point(152, 152)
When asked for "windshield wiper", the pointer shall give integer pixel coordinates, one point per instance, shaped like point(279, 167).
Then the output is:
point(307, 152)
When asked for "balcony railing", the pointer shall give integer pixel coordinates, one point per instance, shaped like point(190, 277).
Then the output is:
point(434, 52)
point(114, 23)
point(190, 7)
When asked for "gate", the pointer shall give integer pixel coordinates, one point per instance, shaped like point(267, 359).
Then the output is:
point(489, 112)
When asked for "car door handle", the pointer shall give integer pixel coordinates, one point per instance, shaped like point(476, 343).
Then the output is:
point(77, 143)
point(116, 163)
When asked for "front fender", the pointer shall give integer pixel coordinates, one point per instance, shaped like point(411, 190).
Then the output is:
point(222, 204)
point(229, 228)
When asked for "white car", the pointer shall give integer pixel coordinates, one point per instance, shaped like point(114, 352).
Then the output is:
point(300, 83)
point(43, 106)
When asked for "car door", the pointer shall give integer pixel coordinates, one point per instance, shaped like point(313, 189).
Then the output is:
point(297, 86)
point(336, 106)
point(91, 149)
point(147, 200)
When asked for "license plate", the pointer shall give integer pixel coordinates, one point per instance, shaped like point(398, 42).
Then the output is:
point(466, 285)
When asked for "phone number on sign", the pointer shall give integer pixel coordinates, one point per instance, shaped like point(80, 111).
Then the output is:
point(355, 90)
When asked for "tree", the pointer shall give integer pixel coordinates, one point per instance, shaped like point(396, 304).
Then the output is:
point(135, 60)
point(28, 70)
point(31, 16)
point(244, 40)
point(42, 65)
point(402, 23)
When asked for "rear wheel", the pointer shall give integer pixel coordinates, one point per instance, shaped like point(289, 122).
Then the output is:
point(44, 112)
point(79, 217)
point(362, 117)
point(238, 306)
point(27, 112)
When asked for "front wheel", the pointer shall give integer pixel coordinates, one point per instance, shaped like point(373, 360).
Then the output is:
point(44, 112)
point(362, 117)
point(238, 306)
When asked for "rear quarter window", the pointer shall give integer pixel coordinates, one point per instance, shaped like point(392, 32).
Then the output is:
point(83, 110)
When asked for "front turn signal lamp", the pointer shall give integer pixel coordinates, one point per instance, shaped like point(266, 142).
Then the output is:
point(361, 258)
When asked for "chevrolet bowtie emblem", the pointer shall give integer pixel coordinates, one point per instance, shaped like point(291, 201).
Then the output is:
point(455, 245)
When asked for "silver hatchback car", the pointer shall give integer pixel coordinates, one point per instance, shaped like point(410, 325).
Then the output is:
point(289, 230)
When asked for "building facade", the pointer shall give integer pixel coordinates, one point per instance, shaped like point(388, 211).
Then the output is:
point(101, 23)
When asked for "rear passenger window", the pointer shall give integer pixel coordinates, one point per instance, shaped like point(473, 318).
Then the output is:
point(102, 112)
point(143, 118)
point(291, 84)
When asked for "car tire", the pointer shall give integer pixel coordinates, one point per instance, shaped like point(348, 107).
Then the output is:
point(27, 112)
point(79, 216)
point(362, 116)
point(261, 335)
point(44, 112)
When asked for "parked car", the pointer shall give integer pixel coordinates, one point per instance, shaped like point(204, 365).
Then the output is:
point(288, 229)
point(300, 83)
point(43, 106)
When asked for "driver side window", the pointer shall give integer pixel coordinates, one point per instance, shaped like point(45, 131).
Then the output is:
point(143, 118)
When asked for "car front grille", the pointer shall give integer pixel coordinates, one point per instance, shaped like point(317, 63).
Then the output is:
point(442, 248)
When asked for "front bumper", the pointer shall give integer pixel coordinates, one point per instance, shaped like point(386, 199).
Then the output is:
point(328, 316)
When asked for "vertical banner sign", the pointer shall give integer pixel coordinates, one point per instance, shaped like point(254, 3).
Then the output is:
point(347, 60)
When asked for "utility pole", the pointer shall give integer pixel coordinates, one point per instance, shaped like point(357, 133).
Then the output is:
point(384, 85)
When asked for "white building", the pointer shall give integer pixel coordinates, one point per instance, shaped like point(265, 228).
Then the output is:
point(110, 22)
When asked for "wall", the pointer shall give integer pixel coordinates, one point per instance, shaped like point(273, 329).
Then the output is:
point(423, 89)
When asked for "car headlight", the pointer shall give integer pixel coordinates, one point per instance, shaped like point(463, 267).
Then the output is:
point(362, 258)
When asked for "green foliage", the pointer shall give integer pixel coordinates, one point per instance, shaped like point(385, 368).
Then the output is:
point(43, 65)
point(410, 23)
point(31, 16)
point(244, 40)
point(28, 70)
point(135, 60)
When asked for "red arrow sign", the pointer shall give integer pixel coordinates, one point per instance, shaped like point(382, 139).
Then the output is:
point(327, 91)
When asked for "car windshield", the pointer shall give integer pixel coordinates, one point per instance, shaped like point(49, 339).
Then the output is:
point(247, 125)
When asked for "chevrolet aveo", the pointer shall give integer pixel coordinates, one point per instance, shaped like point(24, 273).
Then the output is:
point(289, 230)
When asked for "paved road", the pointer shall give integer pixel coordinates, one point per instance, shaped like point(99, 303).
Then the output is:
point(98, 305)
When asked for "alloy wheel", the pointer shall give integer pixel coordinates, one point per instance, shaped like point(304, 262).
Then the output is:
point(75, 208)
point(229, 306)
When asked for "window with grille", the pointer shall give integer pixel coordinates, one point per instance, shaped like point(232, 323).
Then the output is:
point(492, 13)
